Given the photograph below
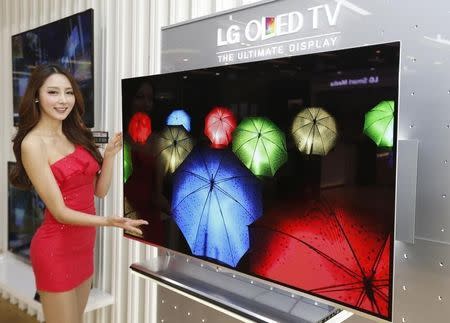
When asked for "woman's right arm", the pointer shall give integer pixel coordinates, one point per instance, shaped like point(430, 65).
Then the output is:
point(35, 162)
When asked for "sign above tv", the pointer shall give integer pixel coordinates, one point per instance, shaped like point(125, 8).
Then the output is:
point(277, 29)
point(284, 24)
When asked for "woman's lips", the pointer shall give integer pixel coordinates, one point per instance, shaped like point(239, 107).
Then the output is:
point(61, 109)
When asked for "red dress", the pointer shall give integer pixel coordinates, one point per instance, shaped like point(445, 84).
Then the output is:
point(62, 255)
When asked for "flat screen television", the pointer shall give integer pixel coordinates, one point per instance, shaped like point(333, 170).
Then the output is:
point(282, 169)
point(25, 215)
point(67, 42)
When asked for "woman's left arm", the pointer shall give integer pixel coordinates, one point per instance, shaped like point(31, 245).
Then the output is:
point(103, 180)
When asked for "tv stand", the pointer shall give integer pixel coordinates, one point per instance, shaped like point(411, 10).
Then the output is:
point(233, 293)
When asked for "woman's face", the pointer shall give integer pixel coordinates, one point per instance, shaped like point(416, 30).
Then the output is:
point(56, 98)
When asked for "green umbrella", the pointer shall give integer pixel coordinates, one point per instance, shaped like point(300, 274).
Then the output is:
point(379, 124)
point(127, 165)
point(173, 144)
point(314, 131)
point(260, 145)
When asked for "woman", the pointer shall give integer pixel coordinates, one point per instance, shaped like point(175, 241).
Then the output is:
point(56, 156)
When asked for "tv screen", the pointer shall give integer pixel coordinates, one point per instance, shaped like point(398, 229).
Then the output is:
point(25, 215)
point(67, 42)
point(283, 169)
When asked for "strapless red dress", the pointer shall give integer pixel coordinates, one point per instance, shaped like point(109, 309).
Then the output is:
point(62, 255)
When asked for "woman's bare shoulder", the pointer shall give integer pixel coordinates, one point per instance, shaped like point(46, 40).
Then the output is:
point(33, 144)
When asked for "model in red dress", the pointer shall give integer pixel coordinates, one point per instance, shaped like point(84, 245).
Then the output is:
point(56, 155)
point(62, 254)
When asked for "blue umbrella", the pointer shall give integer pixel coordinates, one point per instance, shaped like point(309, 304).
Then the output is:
point(215, 198)
point(179, 117)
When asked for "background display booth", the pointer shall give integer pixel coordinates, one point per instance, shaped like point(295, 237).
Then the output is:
point(271, 59)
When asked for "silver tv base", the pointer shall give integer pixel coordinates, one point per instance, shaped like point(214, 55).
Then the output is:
point(246, 296)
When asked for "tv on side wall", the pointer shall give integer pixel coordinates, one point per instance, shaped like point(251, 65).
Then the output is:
point(25, 215)
point(283, 169)
point(67, 42)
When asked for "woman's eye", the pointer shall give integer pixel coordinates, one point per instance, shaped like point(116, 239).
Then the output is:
point(70, 93)
point(52, 92)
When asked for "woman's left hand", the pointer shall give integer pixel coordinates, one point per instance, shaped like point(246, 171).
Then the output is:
point(113, 146)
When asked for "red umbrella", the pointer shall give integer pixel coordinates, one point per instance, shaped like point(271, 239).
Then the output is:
point(219, 124)
point(338, 252)
point(140, 127)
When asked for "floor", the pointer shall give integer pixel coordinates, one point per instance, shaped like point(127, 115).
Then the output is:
point(10, 313)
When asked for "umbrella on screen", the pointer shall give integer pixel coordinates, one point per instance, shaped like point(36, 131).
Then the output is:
point(379, 124)
point(140, 127)
point(127, 164)
point(172, 145)
point(314, 131)
point(179, 117)
point(219, 125)
point(340, 253)
point(260, 145)
point(215, 198)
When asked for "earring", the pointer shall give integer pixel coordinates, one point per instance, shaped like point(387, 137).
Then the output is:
point(36, 101)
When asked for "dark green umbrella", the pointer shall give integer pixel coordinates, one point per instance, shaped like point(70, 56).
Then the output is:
point(260, 145)
point(127, 165)
point(379, 124)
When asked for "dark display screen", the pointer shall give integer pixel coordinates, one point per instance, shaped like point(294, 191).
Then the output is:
point(25, 215)
point(67, 42)
point(283, 169)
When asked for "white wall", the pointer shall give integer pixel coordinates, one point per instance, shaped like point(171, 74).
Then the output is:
point(127, 43)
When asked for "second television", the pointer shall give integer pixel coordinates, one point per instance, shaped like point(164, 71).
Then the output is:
point(283, 169)
point(67, 42)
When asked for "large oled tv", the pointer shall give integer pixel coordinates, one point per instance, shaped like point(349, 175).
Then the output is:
point(25, 215)
point(283, 169)
point(67, 42)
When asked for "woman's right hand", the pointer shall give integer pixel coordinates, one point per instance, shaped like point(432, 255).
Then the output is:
point(131, 225)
